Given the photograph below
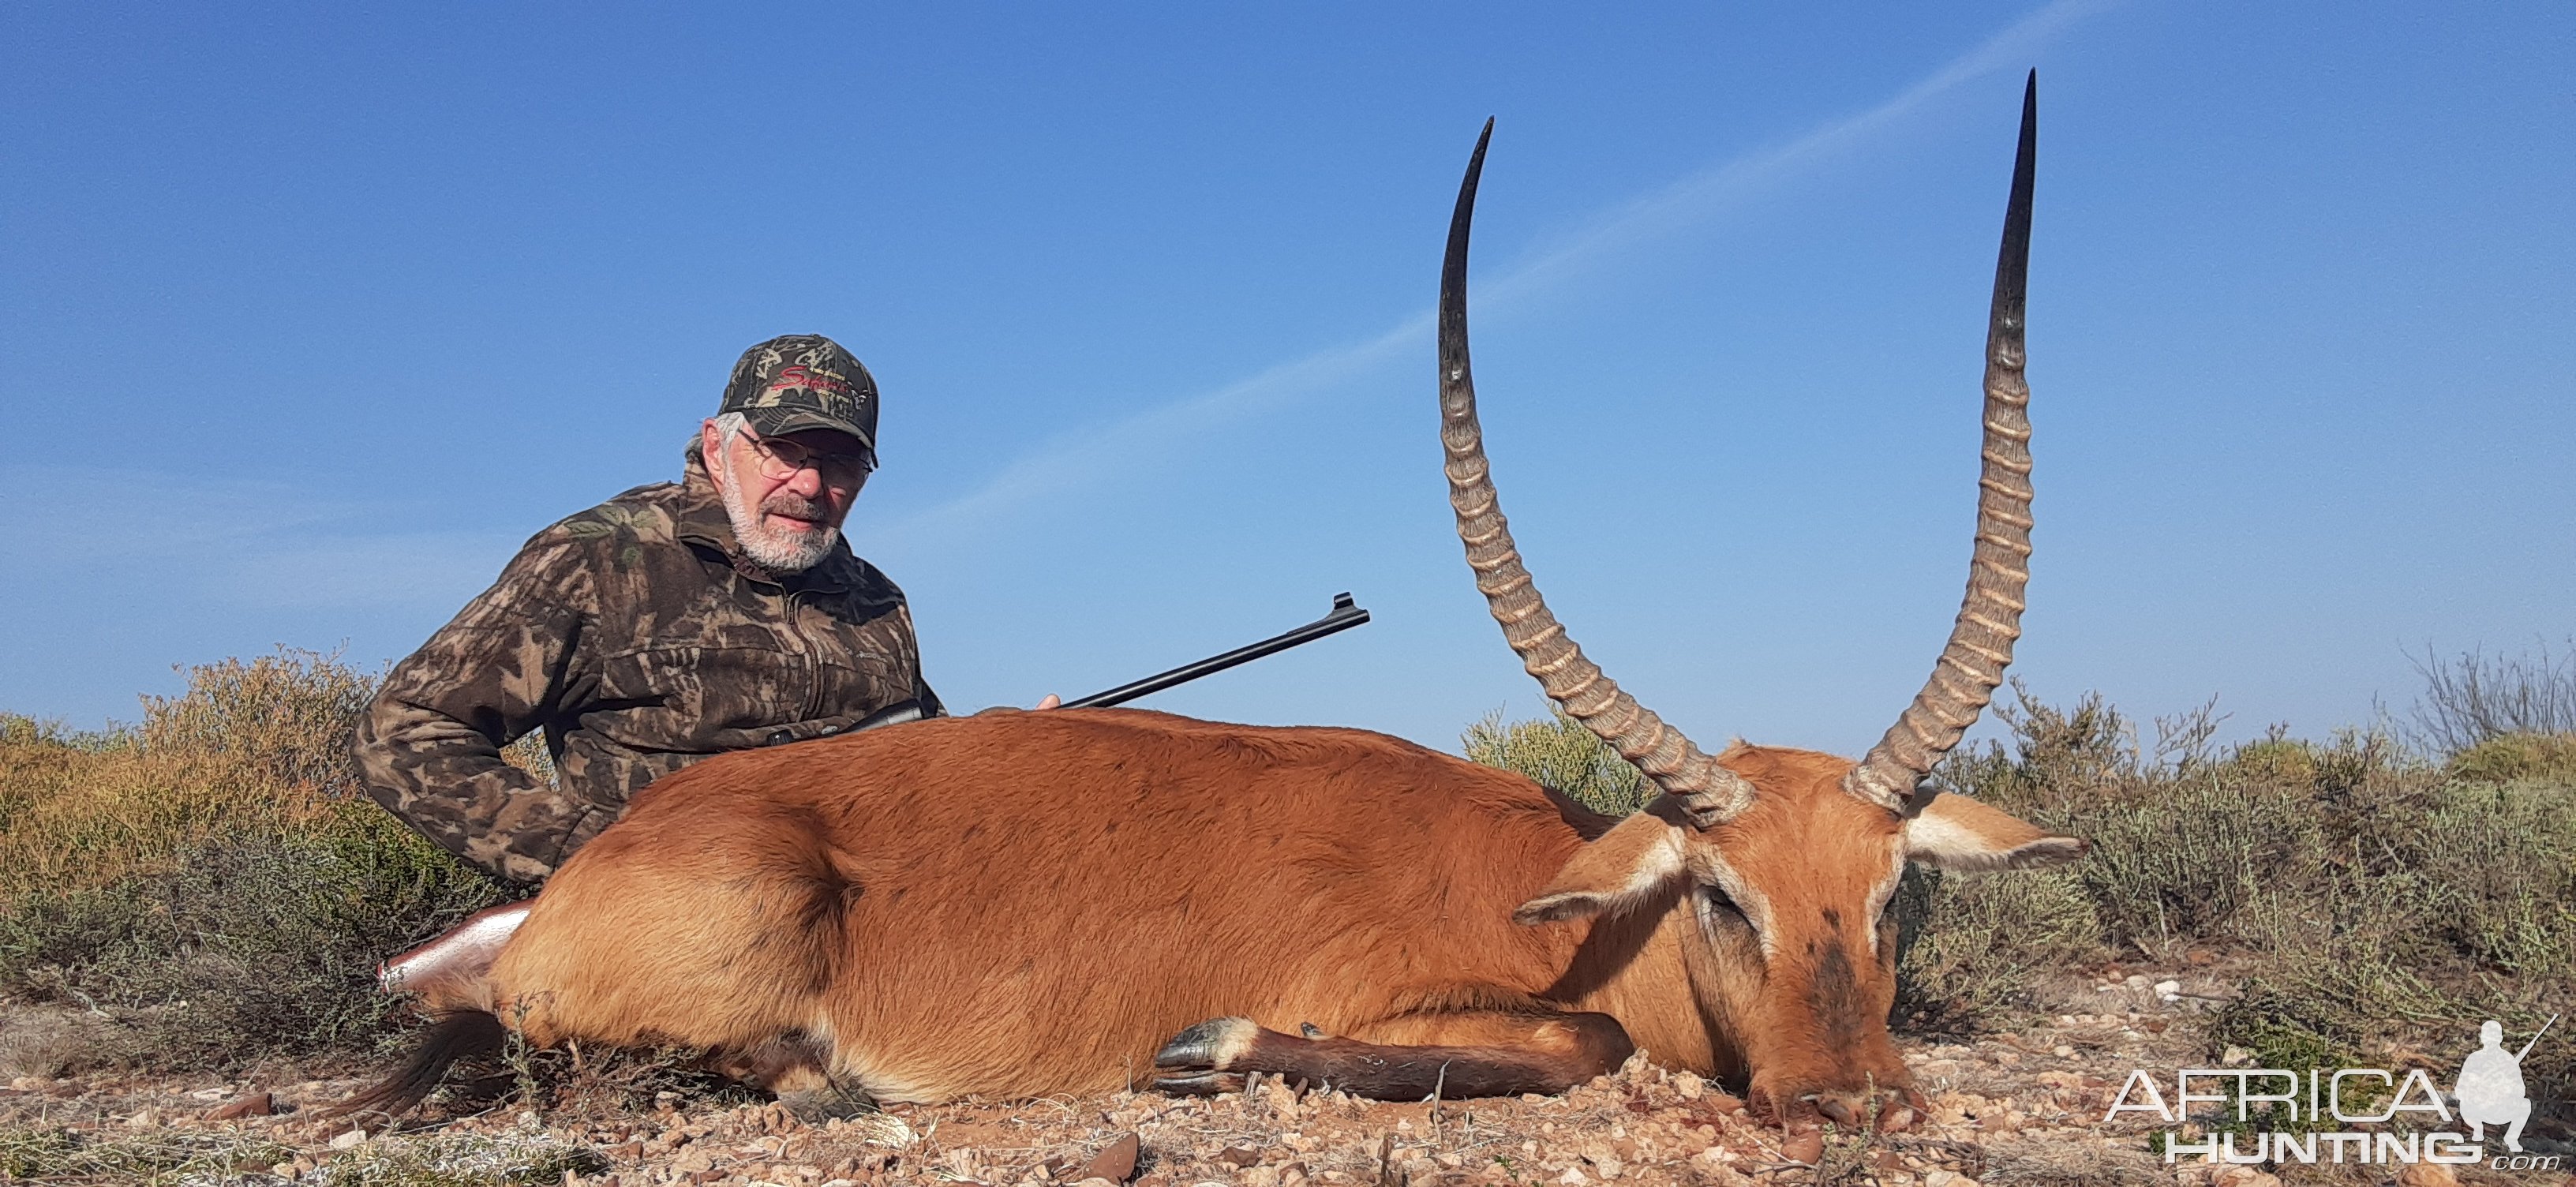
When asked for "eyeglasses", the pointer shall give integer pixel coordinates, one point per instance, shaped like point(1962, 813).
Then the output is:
point(782, 458)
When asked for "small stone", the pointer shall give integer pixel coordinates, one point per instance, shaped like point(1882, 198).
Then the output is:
point(1572, 1178)
point(1115, 1161)
point(2168, 990)
point(257, 1104)
point(1804, 1147)
point(2236, 1057)
point(2428, 1174)
point(349, 1140)
point(1238, 1156)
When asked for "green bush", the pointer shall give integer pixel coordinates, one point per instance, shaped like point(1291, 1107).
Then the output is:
point(1974, 946)
point(1563, 756)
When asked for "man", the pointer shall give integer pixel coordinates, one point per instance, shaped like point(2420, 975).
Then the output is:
point(669, 624)
point(2490, 1087)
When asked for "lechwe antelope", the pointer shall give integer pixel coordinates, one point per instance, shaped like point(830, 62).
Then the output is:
point(1037, 903)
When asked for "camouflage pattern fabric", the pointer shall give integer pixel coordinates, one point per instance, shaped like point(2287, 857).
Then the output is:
point(641, 641)
point(803, 381)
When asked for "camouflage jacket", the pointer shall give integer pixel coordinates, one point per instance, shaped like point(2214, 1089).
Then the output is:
point(641, 641)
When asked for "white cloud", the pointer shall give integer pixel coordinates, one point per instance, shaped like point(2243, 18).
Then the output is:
point(1090, 454)
point(251, 545)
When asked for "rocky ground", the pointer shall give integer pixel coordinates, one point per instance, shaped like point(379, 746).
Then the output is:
point(2011, 1110)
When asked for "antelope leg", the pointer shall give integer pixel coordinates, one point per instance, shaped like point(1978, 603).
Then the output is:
point(1455, 1055)
point(451, 965)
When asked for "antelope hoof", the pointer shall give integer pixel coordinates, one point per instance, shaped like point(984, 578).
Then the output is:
point(1214, 1044)
point(1199, 1084)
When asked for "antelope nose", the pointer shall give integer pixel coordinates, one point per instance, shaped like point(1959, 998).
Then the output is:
point(1890, 1110)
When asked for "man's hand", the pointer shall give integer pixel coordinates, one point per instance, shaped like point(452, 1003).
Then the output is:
point(1049, 701)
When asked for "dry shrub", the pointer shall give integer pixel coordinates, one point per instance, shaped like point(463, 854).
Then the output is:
point(257, 747)
point(2474, 697)
point(286, 717)
point(2508, 757)
point(209, 884)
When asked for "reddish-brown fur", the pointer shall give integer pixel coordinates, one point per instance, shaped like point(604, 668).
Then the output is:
point(1023, 904)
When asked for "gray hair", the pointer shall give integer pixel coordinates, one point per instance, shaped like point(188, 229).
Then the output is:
point(729, 426)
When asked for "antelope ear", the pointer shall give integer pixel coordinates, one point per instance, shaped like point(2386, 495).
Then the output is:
point(1624, 867)
point(1957, 833)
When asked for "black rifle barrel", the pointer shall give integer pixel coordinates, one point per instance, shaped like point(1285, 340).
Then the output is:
point(1346, 614)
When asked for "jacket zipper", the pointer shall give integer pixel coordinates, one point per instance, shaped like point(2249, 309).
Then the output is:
point(813, 657)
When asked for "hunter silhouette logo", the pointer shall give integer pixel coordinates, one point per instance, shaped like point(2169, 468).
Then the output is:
point(2490, 1087)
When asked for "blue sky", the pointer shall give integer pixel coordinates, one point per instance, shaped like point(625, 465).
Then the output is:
point(308, 317)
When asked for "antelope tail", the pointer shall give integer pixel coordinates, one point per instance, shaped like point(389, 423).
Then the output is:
point(454, 1038)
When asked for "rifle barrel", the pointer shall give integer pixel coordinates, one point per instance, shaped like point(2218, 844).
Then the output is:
point(2535, 1038)
point(1345, 615)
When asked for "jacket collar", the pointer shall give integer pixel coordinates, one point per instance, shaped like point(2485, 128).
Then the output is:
point(699, 518)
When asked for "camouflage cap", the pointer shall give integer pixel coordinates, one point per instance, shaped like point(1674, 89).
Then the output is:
point(803, 381)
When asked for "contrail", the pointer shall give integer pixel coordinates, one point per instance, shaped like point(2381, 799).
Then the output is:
point(1076, 458)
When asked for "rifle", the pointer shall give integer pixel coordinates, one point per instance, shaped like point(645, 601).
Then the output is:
point(1345, 615)
point(2535, 1038)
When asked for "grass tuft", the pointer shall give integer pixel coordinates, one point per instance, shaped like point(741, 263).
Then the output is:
point(33, 1154)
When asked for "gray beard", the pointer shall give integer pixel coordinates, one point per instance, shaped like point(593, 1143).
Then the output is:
point(776, 551)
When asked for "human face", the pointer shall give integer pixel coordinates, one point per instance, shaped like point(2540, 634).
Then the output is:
point(785, 517)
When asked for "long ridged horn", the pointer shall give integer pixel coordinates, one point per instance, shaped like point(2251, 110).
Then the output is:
point(1710, 793)
point(1981, 643)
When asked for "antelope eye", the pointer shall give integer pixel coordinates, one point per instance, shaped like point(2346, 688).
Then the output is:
point(1721, 907)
